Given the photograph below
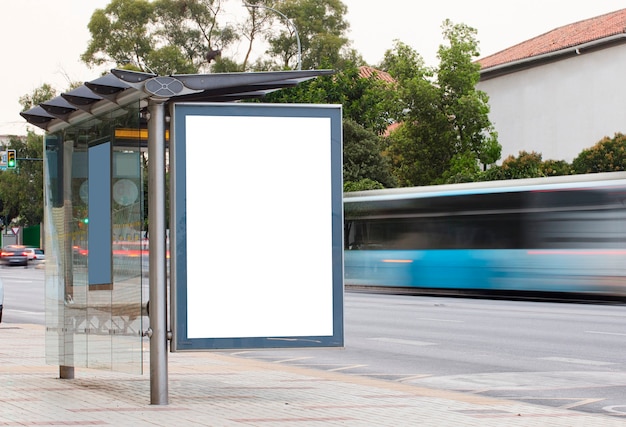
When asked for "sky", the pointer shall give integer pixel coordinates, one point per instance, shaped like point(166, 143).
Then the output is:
point(42, 40)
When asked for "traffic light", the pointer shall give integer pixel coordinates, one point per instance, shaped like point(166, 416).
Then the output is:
point(11, 161)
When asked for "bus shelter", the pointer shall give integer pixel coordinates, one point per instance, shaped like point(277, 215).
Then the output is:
point(112, 259)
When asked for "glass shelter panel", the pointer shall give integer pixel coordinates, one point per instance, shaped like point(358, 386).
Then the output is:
point(95, 246)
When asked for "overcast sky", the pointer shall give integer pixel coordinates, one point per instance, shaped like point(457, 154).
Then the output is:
point(42, 39)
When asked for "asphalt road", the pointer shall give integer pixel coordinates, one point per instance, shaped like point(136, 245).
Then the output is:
point(555, 354)
point(23, 294)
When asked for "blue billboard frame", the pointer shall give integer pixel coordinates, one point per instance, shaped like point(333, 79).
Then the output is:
point(324, 304)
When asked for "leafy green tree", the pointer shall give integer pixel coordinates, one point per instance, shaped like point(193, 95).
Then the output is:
point(176, 36)
point(362, 185)
point(41, 94)
point(370, 102)
point(164, 36)
point(463, 168)
point(556, 168)
point(525, 165)
point(362, 159)
point(252, 29)
point(193, 28)
point(21, 189)
point(321, 27)
point(119, 33)
point(608, 155)
point(446, 119)
point(404, 63)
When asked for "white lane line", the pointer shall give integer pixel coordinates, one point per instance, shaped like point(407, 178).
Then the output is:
point(401, 341)
point(343, 368)
point(441, 320)
point(295, 359)
point(605, 333)
point(613, 409)
point(577, 361)
point(413, 377)
point(581, 402)
point(574, 402)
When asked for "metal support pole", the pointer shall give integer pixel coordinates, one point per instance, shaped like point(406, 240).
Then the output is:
point(66, 372)
point(157, 257)
point(66, 292)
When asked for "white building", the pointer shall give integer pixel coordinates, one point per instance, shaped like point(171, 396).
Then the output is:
point(562, 91)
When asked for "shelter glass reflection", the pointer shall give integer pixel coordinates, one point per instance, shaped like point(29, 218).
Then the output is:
point(95, 245)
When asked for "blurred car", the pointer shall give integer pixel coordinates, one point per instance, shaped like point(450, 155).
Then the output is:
point(35, 254)
point(14, 255)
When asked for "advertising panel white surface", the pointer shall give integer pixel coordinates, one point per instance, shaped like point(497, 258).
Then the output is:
point(259, 229)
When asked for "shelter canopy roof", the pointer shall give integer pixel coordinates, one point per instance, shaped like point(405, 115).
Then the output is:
point(120, 87)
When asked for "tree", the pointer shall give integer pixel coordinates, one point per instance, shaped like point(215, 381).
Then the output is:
point(165, 36)
point(463, 168)
point(363, 165)
point(607, 155)
point(21, 189)
point(370, 102)
point(362, 185)
point(320, 26)
point(446, 119)
point(192, 29)
point(252, 28)
point(41, 94)
point(404, 63)
point(525, 165)
point(119, 33)
point(556, 168)
point(187, 36)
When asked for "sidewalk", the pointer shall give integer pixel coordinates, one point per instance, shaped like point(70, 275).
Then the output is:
point(215, 389)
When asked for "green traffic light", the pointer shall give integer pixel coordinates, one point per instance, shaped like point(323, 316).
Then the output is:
point(11, 155)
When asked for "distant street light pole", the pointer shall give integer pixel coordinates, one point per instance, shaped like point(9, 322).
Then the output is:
point(295, 30)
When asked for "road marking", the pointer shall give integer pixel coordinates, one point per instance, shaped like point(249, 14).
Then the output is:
point(441, 320)
point(414, 377)
point(577, 361)
point(581, 402)
point(401, 341)
point(346, 367)
point(295, 359)
point(613, 409)
point(400, 377)
point(605, 333)
point(574, 402)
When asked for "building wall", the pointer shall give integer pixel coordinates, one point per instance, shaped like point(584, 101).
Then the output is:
point(560, 108)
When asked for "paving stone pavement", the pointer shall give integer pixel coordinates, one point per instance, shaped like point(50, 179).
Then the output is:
point(217, 389)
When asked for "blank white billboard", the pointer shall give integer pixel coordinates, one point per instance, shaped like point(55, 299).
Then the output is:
point(260, 221)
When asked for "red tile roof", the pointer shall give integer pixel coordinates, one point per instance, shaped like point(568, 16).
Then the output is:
point(391, 128)
point(367, 72)
point(567, 36)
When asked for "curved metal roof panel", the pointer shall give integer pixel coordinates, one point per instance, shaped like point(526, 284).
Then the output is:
point(121, 87)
